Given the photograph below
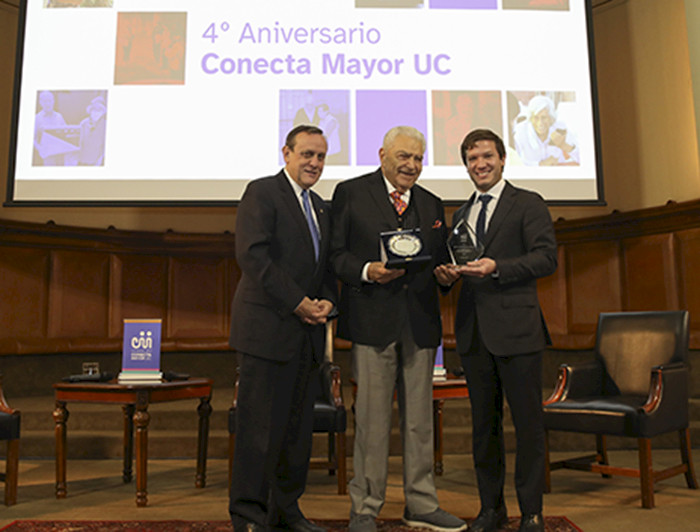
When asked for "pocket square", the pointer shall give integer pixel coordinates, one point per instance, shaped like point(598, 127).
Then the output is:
point(437, 224)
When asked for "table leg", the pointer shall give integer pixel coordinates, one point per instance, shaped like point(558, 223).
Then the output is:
point(141, 420)
point(204, 411)
point(60, 416)
point(128, 411)
point(437, 435)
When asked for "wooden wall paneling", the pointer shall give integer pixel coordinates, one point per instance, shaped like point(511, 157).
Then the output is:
point(139, 289)
point(551, 291)
point(78, 295)
point(649, 273)
point(448, 311)
point(114, 305)
point(593, 284)
point(198, 299)
point(24, 276)
point(688, 253)
point(67, 289)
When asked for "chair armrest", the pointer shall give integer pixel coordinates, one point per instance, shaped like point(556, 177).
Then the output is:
point(331, 386)
point(580, 380)
point(235, 388)
point(668, 388)
point(336, 387)
point(4, 407)
point(671, 366)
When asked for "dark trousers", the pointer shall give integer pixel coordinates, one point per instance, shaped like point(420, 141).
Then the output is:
point(520, 378)
point(274, 424)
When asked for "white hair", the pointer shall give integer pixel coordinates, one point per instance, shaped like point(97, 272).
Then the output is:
point(539, 102)
point(406, 131)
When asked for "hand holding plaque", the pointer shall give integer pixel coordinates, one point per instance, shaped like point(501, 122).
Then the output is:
point(463, 244)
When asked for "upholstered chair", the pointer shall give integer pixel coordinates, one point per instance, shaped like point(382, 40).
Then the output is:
point(636, 386)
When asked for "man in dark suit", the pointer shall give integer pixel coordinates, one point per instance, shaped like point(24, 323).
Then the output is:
point(280, 308)
point(392, 316)
point(500, 329)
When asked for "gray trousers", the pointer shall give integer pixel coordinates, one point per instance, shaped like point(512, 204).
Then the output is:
point(408, 369)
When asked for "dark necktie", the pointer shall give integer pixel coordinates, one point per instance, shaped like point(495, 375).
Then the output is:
point(481, 220)
point(399, 204)
point(310, 220)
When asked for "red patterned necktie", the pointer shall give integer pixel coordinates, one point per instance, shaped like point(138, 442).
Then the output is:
point(399, 204)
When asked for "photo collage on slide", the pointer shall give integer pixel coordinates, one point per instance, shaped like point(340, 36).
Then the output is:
point(150, 49)
point(453, 112)
point(542, 125)
point(70, 125)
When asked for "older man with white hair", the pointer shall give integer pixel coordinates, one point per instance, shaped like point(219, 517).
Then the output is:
point(392, 316)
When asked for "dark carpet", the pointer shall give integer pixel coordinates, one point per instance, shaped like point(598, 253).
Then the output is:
point(552, 524)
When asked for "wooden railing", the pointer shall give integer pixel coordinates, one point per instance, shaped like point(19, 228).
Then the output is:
point(66, 289)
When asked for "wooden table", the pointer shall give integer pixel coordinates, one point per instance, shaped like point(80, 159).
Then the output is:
point(452, 388)
point(134, 399)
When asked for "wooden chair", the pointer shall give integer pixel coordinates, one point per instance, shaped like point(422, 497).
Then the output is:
point(637, 386)
point(329, 417)
point(9, 430)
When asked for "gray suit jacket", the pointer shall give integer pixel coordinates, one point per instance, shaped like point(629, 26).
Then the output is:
point(520, 238)
point(276, 256)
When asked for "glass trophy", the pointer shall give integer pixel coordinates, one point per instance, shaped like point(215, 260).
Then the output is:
point(463, 244)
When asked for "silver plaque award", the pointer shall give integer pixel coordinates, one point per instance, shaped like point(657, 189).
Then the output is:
point(402, 248)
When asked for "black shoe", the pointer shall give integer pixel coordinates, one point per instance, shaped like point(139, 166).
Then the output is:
point(304, 525)
point(531, 523)
point(490, 520)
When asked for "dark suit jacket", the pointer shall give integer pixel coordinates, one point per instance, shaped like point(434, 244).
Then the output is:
point(370, 313)
point(520, 238)
point(276, 256)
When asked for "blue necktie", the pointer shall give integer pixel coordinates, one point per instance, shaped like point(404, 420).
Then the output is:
point(310, 220)
point(481, 220)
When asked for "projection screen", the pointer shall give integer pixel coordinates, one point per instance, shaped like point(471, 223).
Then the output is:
point(184, 102)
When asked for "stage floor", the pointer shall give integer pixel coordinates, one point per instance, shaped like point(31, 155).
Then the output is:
point(96, 492)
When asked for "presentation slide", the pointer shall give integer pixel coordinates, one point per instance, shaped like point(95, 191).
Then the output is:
point(184, 101)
